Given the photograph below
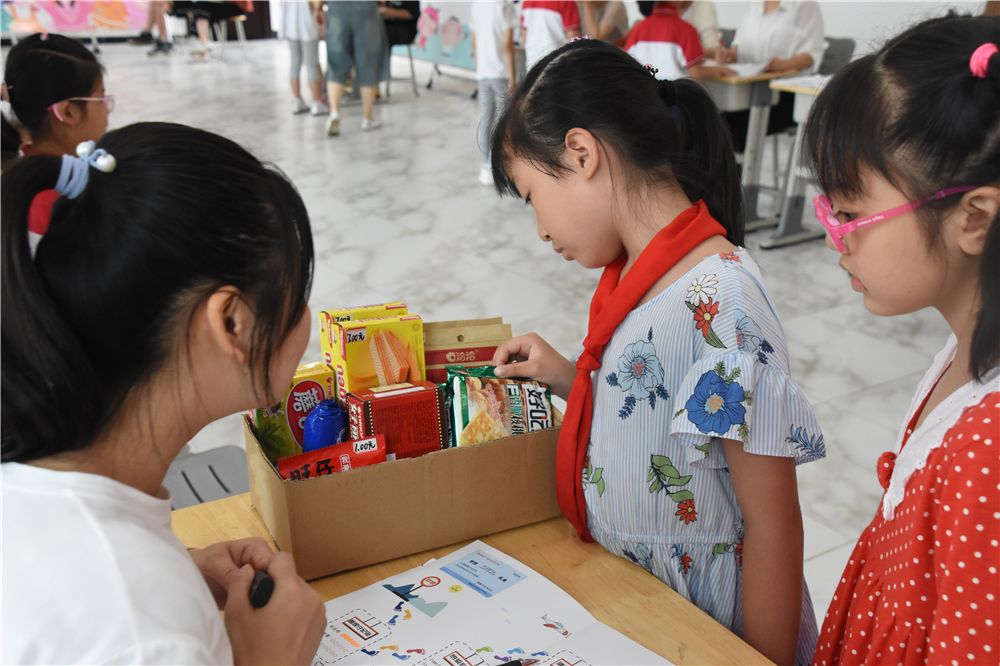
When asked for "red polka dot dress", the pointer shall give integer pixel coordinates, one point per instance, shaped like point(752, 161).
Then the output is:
point(922, 585)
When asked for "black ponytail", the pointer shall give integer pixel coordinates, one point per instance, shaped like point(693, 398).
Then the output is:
point(44, 69)
point(915, 114)
point(10, 141)
point(108, 297)
point(663, 131)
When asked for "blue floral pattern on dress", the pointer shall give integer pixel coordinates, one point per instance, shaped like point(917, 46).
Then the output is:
point(639, 376)
point(718, 403)
point(811, 446)
point(749, 337)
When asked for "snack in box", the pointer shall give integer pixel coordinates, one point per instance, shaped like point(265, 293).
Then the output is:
point(280, 428)
point(485, 407)
point(377, 352)
point(410, 416)
point(329, 318)
point(335, 458)
point(468, 342)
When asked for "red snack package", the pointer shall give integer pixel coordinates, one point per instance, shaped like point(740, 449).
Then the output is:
point(411, 417)
point(335, 458)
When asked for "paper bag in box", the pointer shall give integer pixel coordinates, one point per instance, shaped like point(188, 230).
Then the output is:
point(470, 343)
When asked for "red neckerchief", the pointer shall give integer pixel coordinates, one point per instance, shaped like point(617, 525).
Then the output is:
point(612, 302)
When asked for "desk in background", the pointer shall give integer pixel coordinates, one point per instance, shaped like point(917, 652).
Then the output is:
point(790, 230)
point(739, 93)
point(616, 592)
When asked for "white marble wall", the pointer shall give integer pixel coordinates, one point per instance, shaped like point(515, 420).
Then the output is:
point(398, 214)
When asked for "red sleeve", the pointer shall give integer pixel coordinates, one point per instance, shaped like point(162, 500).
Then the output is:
point(570, 16)
point(967, 616)
point(40, 211)
point(691, 45)
point(633, 37)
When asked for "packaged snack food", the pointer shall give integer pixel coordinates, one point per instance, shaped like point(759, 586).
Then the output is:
point(468, 342)
point(410, 416)
point(485, 407)
point(336, 458)
point(377, 352)
point(279, 428)
point(329, 318)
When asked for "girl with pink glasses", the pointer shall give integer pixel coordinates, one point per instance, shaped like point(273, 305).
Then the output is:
point(906, 143)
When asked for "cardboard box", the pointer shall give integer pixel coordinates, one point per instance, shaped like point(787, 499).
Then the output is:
point(410, 416)
point(468, 342)
point(329, 318)
point(377, 352)
point(372, 514)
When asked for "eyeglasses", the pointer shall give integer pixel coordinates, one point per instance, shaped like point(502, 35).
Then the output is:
point(109, 104)
point(837, 231)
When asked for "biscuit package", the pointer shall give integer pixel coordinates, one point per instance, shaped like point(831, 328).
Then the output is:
point(328, 319)
point(485, 407)
point(377, 352)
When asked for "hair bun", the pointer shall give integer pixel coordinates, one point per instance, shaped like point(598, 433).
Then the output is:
point(668, 92)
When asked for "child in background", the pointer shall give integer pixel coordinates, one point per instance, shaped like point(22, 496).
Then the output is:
point(493, 26)
point(123, 336)
point(55, 87)
point(300, 28)
point(546, 25)
point(906, 143)
point(670, 44)
point(680, 452)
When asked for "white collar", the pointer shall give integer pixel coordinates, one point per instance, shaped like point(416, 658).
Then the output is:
point(930, 435)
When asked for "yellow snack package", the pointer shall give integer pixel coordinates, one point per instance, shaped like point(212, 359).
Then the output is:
point(377, 352)
point(329, 318)
point(279, 428)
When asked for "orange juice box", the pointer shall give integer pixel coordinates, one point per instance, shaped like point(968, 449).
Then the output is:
point(279, 428)
point(329, 318)
point(377, 352)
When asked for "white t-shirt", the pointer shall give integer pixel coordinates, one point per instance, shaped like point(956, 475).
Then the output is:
point(490, 21)
point(546, 23)
point(295, 20)
point(793, 28)
point(92, 573)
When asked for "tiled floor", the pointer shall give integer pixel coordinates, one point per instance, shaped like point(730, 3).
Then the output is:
point(398, 214)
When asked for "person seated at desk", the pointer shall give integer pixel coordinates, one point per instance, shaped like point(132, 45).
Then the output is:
point(787, 35)
point(670, 44)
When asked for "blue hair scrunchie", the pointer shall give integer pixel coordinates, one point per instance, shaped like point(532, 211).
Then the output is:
point(74, 174)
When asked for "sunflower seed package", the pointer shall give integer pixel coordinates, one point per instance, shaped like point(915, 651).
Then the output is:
point(485, 407)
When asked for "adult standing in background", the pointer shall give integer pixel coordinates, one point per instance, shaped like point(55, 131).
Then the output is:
point(355, 37)
point(605, 20)
point(701, 14)
point(787, 35)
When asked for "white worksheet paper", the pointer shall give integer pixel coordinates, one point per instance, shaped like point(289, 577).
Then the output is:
point(474, 607)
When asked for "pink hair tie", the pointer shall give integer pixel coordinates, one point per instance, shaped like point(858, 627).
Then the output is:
point(980, 60)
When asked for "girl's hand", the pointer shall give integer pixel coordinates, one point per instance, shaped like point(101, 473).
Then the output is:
point(218, 561)
point(286, 630)
point(725, 55)
point(531, 356)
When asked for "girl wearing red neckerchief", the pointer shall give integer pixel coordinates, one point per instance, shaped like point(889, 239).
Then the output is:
point(906, 142)
point(683, 427)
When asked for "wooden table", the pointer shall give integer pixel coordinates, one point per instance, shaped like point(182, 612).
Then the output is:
point(613, 590)
point(739, 93)
point(790, 230)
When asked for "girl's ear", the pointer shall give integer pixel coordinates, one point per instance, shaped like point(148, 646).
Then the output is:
point(229, 322)
point(977, 212)
point(582, 150)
